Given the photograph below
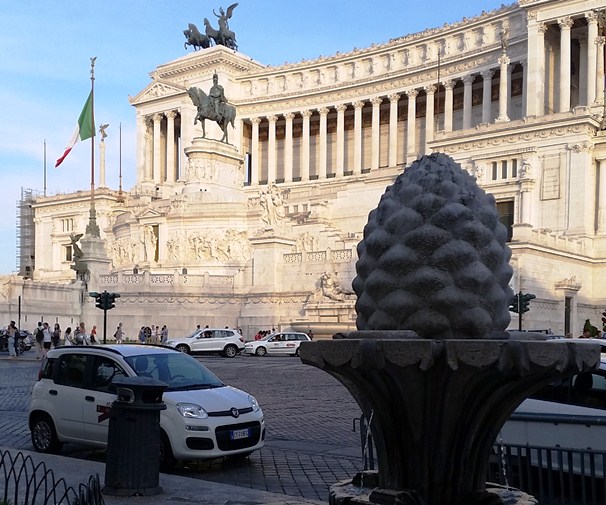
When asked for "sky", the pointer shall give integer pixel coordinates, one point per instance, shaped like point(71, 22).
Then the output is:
point(45, 51)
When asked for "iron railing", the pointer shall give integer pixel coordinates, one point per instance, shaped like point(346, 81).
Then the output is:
point(29, 483)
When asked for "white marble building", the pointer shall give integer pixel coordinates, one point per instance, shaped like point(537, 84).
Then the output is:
point(262, 232)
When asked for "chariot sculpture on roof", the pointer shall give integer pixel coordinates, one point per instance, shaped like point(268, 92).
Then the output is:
point(223, 36)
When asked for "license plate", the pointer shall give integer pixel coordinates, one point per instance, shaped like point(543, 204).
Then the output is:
point(239, 434)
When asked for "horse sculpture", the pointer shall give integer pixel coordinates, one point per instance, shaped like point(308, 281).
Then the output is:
point(226, 38)
point(195, 38)
point(206, 110)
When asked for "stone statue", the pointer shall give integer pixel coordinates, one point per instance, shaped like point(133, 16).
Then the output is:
point(102, 129)
point(195, 38)
point(331, 288)
point(272, 205)
point(213, 106)
point(79, 266)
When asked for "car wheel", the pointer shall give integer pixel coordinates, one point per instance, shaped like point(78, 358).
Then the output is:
point(261, 351)
point(167, 460)
point(297, 352)
point(182, 348)
point(230, 351)
point(44, 435)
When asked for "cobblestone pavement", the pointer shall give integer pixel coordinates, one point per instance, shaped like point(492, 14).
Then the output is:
point(310, 442)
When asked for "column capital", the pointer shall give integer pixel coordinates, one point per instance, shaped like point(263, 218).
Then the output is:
point(289, 116)
point(157, 117)
point(255, 120)
point(565, 23)
point(504, 60)
point(306, 114)
point(412, 93)
point(171, 114)
point(323, 111)
point(376, 101)
point(542, 28)
point(358, 105)
point(599, 41)
point(342, 107)
point(448, 84)
point(487, 74)
point(591, 17)
point(272, 119)
point(468, 79)
point(394, 97)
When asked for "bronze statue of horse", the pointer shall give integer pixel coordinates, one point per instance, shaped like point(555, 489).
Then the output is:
point(195, 38)
point(227, 38)
point(206, 110)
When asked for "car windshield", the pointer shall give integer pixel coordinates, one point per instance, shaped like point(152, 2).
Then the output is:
point(180, 371)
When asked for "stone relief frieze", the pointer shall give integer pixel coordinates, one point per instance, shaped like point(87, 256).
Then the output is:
point(306, 242)
point(213, 245)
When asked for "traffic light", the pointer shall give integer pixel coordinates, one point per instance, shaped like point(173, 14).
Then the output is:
point(514, 304)
point(111, 298)
point(105, 300)
point(525, 305)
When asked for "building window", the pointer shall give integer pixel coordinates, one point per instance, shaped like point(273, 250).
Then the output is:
point(68, 252)
point(509, 169)
point(505, 210)
point(567, 314)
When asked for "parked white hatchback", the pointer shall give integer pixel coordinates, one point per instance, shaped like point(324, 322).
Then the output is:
point(283, 343)
point(226, 342)
point(204, 418)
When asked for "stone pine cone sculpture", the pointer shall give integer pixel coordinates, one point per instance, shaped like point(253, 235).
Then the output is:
point(434, 258)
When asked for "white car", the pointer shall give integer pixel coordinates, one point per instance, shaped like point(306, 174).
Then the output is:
point(204, 418)
point(283, 343)
point(228, 343)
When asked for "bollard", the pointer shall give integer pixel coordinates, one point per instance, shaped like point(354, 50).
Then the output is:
point(132, 466)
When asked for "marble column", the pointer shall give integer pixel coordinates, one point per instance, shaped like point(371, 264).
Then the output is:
point(339, 168)
point(171, 161)
point(467, 103)
point(448, 105)
point(430, 120)
point(411, 126)
point(393, 129)
point(487, 96)
point(305, 145)
point(289, 116)
point(535, 98)
point(601, 166)
point(357, 165)
point(524, 87)
point(149, 150)
point(565, 58)
point(503, 86)
point(102, 163)
point(592, 35)
point(254, 151)
point(323, 142)
point(141, 143)
point(582, 90)
point(157, 168)
point(271, 149)
point(599, 42)
point(376, 133)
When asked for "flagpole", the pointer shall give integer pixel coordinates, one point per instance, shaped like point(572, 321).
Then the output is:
point(92, 229)
point(120, 197)
point(44, 167)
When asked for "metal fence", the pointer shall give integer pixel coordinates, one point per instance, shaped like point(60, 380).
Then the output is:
point(28, 483)
point(553, 475)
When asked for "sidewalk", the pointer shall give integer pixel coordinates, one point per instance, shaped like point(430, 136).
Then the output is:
point(175, 488)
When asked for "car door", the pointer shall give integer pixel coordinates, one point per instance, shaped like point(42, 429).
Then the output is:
point(291, 343)
point(276, 344)
point(99, 397)
point(68, 395)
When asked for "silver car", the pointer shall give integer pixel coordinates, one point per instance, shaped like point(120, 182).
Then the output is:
point(223, 341)
point(285, 343)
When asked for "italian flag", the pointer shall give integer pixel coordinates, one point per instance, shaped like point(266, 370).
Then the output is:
point(85, 128)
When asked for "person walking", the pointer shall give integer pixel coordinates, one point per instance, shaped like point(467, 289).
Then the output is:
point(56, 336)
point(68, 336)
point(47, 339)
point(142, 335)
point(39, 336)
point(164, 335)
point(12, 338)
point(93, 335)
point(119, 334)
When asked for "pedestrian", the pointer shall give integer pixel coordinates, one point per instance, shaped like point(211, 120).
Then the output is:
point(47, 339)
point(12, 339)
point(93, 335)
point(147, 332)
point(68, 336)
point(81, 337)
point(56, 336)
point(119, 334)
point(164, 334)
point(39, 335)
point(310, 334)
point(142, 335)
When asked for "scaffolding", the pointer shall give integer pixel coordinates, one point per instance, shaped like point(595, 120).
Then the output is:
point(26, 243)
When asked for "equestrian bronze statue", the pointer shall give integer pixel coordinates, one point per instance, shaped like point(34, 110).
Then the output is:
point(221, 37)
point(213, 106)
